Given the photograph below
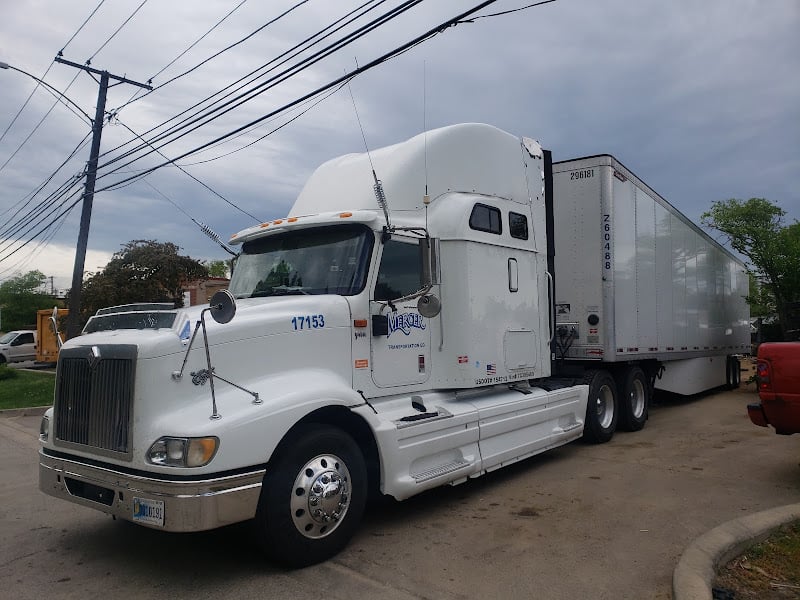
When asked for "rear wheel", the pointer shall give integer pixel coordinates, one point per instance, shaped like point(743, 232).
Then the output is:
point(634, 399)
point(601, 410)
point(313, 497)
point(734, 372)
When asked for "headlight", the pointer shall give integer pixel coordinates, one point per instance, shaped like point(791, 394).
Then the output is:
point(183, 452)
point(44, 429)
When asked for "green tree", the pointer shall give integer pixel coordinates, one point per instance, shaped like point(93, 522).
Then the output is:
point(756, 229)
point(20, 299)
point(143, 271)
point(761, 301)
point(217, 268)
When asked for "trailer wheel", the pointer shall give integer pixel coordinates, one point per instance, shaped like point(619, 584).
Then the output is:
point(312, 498)
point(634, 396)
point(601, 410)
point(734, 371)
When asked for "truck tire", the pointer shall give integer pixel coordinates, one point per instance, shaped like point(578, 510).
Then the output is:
point(734, 372)
point(601, 410)
point(634, 399)
point(312, 498)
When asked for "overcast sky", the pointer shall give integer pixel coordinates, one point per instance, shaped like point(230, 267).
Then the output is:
point(701, 99)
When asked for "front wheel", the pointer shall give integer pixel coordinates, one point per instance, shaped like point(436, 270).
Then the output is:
point(601, 410)
point(313, 497)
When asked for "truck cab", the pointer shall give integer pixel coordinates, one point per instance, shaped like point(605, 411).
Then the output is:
point(18, 346)
point(389, 335)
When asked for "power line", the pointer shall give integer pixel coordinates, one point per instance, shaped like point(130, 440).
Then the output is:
point(185, 172)
point(43, 229)
point(370, 65)
point(39, 80)
point(69, 41)
point(36, 128)
point(253, 75)
point(269, 133)
point(113, 35)
point(213, 56)
point(508, 12)
point(199, 121)
point(31, 195)
point(203, 227)
point(192, 45)
point(125, 22)
point(58, 94)
point(29, 221)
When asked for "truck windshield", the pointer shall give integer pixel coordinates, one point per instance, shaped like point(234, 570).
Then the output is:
point(8, 338)
point(324, 260)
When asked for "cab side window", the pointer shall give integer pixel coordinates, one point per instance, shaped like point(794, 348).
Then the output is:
point(23, 338)
point(400, 272)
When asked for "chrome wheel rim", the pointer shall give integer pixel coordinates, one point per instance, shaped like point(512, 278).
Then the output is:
point(320, 496)
point(604, 405)
point(637, 398)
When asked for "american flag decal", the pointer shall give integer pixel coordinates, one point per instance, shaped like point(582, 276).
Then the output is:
point(491, 369)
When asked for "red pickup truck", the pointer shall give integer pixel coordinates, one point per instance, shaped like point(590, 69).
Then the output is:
point(778, 380)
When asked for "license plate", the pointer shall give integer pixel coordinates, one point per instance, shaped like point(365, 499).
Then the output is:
point(148, 511)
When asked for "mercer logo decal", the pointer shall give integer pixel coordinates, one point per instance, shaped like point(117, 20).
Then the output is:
point(405, 322)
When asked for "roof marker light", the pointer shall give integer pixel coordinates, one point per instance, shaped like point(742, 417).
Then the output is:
point(264, 225)
point(345, 215)
point(277, 221)
point(291, 220)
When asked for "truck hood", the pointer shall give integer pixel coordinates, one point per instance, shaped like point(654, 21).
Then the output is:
point(255, 317)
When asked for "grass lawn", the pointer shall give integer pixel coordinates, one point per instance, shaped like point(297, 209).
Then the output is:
point(23, 389)
point(770, 569)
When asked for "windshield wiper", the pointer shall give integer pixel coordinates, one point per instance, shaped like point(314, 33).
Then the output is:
point(282, 291)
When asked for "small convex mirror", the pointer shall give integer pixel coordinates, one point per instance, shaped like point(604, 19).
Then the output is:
point(429, 306)
point(223, 306)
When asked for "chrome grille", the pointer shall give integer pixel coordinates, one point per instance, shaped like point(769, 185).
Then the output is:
point(94, 398)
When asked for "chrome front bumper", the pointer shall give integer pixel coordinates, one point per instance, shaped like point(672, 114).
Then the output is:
point(195, 505)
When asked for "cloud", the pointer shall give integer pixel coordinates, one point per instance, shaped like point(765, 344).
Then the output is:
point(701, 100)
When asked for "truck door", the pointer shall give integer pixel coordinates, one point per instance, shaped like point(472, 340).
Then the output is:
point(400, 353)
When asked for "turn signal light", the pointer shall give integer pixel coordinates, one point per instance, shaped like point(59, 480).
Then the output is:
point(183, 452)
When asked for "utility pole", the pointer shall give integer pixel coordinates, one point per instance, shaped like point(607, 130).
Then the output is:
point(73, 319)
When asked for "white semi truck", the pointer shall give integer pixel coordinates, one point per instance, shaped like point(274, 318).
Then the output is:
point(392, 335)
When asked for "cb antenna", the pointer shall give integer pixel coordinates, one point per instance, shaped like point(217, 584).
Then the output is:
point(214, 236)
point(377, 188)
point(426, 199)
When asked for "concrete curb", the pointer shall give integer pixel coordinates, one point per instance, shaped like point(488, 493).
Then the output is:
point(697, 567)
point(36, 411)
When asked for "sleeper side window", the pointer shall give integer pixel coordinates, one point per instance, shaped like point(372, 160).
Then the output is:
point(486, 218)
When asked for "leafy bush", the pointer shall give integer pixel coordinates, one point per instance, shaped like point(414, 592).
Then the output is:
point(6, 373)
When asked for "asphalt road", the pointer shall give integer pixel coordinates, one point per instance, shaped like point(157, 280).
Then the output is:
point(581, 521)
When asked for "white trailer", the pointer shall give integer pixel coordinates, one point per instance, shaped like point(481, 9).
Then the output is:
point(642, 293)
point(363, 345)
